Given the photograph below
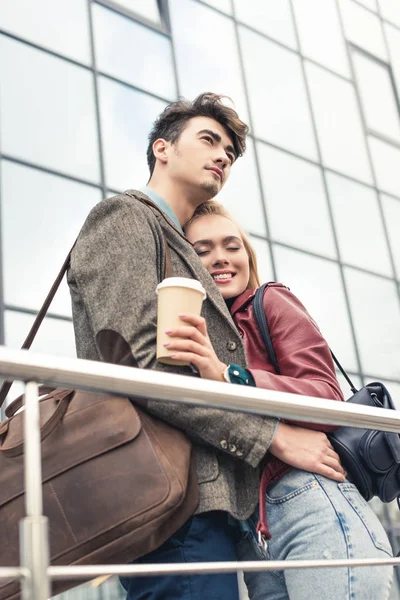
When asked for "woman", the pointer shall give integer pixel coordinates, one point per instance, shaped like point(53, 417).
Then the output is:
point(312, 512)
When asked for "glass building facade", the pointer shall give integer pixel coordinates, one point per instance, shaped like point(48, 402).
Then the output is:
point(318, 190)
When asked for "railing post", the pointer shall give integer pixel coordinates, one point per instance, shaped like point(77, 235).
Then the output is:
point(34, 545)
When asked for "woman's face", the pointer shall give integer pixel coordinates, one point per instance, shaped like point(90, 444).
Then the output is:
point(218, 243)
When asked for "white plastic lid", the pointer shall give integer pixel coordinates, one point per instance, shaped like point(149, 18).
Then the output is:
point(186, 282)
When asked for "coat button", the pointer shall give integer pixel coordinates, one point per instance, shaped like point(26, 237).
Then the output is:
point(239, 453)
point(232, 448)
point(231, 345)
point(223, 444)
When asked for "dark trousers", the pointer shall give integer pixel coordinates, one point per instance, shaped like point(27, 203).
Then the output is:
point(204, 538)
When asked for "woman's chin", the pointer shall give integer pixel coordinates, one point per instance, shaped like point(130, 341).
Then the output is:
point(227, 294)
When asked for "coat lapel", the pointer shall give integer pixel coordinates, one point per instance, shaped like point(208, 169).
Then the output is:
point(184, 249)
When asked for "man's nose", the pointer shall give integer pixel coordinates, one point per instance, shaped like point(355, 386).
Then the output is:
point(222, 160)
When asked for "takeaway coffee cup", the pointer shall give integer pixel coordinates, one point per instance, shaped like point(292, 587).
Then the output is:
point(176, 295)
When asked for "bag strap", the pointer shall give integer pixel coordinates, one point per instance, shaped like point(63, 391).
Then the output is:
point(5, 388)
point(261, 320)
point(343, 372)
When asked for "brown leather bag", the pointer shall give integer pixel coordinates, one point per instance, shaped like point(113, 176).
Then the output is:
point(117, 482)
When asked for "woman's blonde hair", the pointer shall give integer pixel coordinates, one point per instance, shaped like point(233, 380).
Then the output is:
point(215, 208)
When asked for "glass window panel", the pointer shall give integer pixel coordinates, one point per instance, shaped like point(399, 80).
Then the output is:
point(117, 40)
point(47, 111)
point(320, 33)
point(390, 10)
point(339, 124)
point(242, 195)
point(391, 210)
point(126, 118)
point(386, 161)
point(224, 5)
point(62, 26)
point(274, 77)
point(302, 196)
point(55, 337)
point(145, 8)
point(363, 28)
point(371, 4)
point(377, 96)
point(359, 225)
point(44, 213)
point(393, 40)
point(376, 316)
point(263, 255)
point(318, 284)
point(270, 17)
point(200, 68)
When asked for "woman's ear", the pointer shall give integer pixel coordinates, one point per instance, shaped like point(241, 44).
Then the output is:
point(160, 150)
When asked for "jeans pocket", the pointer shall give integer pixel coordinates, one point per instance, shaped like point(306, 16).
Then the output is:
point(292, 484)
point(367, 516)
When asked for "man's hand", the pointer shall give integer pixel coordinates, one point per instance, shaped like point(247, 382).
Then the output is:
point(192, 344)
point(307, 450)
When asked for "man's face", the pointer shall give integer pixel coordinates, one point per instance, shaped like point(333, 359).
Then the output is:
point(202, 157)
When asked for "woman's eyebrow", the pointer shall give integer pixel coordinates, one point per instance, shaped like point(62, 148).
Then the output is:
point(203, 242)
point(226, 240)
point(231, 238)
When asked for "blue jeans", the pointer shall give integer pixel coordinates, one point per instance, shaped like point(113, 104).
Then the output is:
point(311, 517)
point(203, 538)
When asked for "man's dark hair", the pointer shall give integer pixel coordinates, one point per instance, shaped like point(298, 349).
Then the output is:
point(172, 121)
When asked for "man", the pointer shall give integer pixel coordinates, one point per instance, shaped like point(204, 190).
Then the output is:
point(115, 267)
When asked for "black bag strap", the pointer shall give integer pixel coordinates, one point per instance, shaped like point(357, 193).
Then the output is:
point(261, 320)
point(343, 372)
point(5, 388)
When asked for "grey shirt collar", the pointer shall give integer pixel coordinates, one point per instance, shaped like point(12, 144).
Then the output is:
point(162, 204)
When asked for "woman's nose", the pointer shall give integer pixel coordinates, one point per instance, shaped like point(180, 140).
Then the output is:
point(220, 259)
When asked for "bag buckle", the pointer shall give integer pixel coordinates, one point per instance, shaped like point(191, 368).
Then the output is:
point(262, 542)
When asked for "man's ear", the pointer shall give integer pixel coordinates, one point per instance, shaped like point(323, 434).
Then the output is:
point(160, 150)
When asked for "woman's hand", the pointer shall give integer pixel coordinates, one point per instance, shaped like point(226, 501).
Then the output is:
point(308, 450)
point(191, 343)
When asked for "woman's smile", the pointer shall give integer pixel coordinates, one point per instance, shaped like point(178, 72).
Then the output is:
point(218, 243)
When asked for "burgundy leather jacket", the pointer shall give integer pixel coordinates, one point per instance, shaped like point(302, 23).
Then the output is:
point(303, 355)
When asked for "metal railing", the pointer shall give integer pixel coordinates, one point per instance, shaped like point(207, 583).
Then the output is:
point(35, 572)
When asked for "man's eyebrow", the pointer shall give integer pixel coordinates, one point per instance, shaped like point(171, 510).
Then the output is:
point(216, 136)
point(213, 134)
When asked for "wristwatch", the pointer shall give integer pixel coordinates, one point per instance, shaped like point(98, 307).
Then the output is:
point(237, 374)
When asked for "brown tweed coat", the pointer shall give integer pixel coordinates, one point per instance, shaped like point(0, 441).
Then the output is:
point(116, 265)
